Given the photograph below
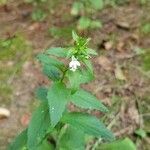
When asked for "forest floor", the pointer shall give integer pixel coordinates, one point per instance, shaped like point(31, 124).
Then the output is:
point(121, 68)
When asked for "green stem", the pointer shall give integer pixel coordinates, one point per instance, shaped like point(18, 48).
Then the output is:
point(62, 131)
point(64, 73)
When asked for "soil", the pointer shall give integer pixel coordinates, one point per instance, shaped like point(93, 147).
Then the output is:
point(120, 82)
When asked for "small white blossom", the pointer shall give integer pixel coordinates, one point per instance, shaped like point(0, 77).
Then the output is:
point(74, 64)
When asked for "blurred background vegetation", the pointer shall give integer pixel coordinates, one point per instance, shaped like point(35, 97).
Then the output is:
point(120, 33)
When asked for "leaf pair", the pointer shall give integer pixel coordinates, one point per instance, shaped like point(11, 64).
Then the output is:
point(58, 96)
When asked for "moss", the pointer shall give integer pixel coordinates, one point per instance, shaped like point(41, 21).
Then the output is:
point(145, 28)
point(146, 60)
point(13, 53)
point(13, 48)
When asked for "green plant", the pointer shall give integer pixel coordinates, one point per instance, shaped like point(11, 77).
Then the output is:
point(85, 23)
point(146, 60)
point(86, 8)
point(39, 13)
point(141, 133)
point(145, 28)
point(53, 125)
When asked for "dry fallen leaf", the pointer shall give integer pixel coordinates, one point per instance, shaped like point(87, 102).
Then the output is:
point(105, 63)
point(133, 114)
point(120, 46)
point(119, 73)
point(34, 26)
point(123, 25)
point(108, 45)
point(4, 113)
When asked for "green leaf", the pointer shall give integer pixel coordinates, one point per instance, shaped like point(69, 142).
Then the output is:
point(95, 24)
point(89, 124)
point(125, 144)
point(40, 123)
point(86, 100)
point(141, 133)
point(87, 76)
point(20, 141)
point(52, 72)
point(75, 36)
point(78, 77)
point(97, 4)
point(76, 8)
point(84, 23)
point(45, 145)
point(88, 65)
point(51, 67)
point(91, 52)
point(58, 96)
point(72, 139)
point(41, 93)
point(57, 51)
point(38, 15)
point(44, 59)
point(146, 28)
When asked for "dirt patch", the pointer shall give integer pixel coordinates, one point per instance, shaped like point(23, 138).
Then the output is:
point(125, 96)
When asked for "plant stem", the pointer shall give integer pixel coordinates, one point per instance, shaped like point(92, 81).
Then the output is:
point(64, 73)
point(62, 131)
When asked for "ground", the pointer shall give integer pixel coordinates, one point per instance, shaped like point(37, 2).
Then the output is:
point(121, 68)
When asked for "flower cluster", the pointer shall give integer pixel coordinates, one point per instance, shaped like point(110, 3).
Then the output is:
point(74, 64)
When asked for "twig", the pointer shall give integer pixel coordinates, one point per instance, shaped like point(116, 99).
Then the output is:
point(128, 129)
point(96, 143)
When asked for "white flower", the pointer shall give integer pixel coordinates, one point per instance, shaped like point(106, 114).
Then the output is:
point(74, 64)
